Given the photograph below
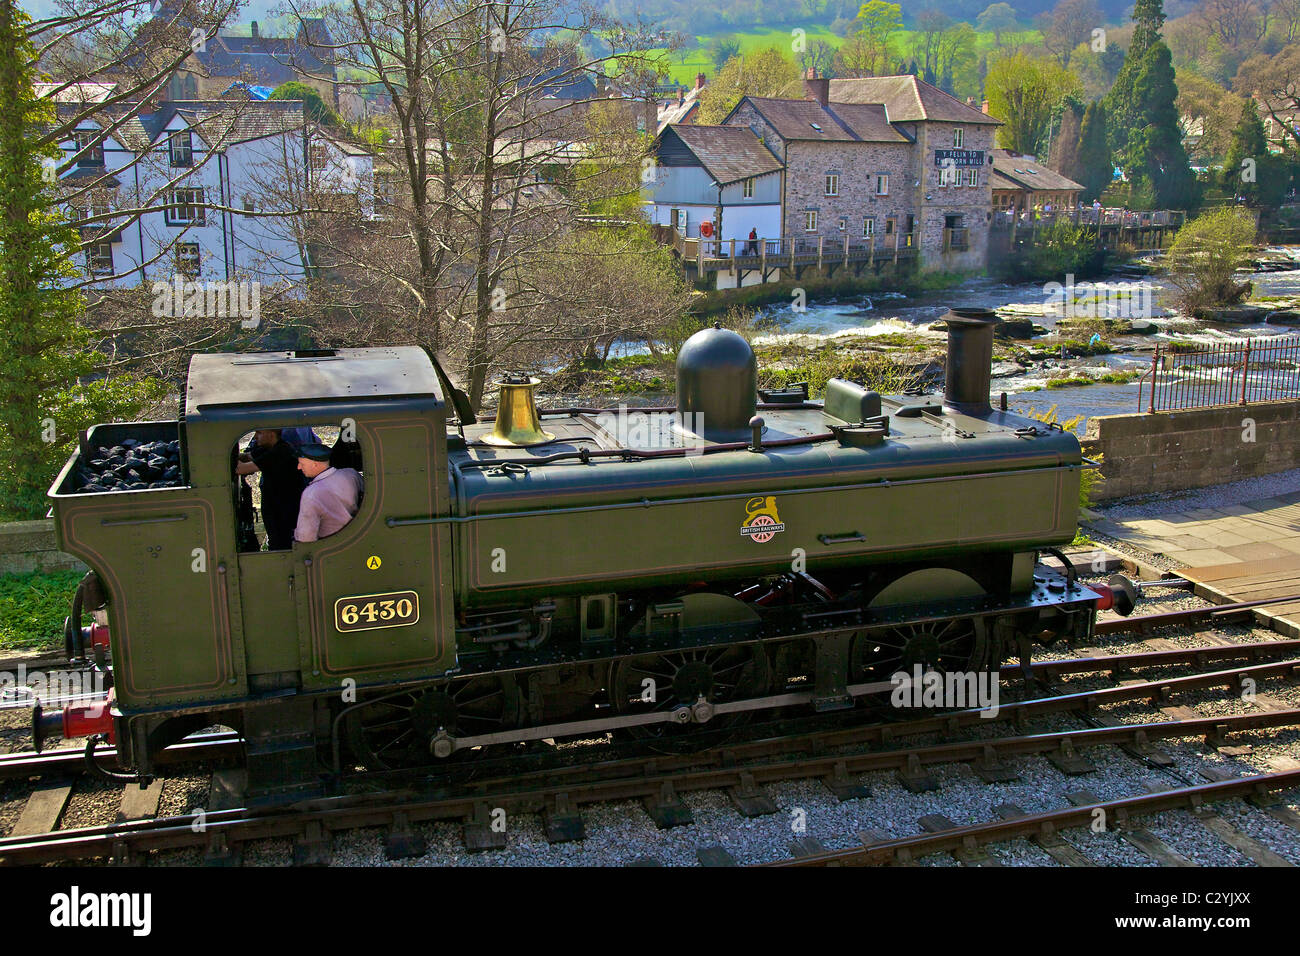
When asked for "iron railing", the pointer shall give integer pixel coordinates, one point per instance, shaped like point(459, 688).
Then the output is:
point(1229, 373)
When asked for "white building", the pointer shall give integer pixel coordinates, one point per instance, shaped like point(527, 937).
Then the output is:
point(716, 182)
point(221, 185)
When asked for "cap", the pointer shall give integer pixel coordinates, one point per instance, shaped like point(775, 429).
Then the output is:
point(314, 452)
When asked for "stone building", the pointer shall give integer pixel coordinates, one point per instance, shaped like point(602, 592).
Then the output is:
point(1022, 184)
point(889, 158)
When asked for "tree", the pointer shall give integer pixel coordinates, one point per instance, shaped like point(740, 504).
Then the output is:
point(484, 172)
point(877, 22)
point(1274, 81)
point(1155, 159)
point(313, 105)
point(722, 49)
point(1205, 256)
point(1023, 92)
point(997, 18)
point(1250, 171)
point(768, 72)
point(1206, 105)
point(1094, 169)
point(1070, 23)
point(930, 25)
point(819, 56)
point(956, 56)
point(1123, 102)
point(46, 394)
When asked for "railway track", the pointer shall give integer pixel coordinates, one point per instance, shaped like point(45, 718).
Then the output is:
point(741, 770)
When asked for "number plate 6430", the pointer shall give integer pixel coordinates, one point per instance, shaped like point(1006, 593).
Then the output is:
point(369, 612)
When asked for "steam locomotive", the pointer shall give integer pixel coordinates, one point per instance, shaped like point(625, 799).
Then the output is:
point(564, 572)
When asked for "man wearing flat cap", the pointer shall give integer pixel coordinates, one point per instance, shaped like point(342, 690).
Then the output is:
point(331, 497)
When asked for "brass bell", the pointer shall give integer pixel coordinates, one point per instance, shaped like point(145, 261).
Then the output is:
point(517, 423)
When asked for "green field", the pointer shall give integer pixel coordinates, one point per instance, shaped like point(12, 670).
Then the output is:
point(685, 64)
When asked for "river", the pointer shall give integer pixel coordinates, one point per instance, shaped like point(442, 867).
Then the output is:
point(891, 313)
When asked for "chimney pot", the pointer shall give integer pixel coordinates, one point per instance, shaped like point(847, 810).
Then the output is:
point(816, 88)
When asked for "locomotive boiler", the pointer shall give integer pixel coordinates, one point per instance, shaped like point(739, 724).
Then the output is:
point(652, 572)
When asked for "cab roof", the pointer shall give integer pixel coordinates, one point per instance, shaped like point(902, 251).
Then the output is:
point(259, 379)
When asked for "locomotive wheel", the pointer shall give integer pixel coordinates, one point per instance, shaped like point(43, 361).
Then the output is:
point(664, 682)
point(951, 645)
point(395, 731)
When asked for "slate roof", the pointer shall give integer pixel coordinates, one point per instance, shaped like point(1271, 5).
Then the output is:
point(218, 122)
point(837, 123)
point(907, 99)
point(728, 153)
point(1013, 171)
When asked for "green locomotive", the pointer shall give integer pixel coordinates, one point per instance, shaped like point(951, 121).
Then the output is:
point(646, 571)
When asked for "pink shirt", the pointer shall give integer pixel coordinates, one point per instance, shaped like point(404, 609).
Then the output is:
point(328, 503)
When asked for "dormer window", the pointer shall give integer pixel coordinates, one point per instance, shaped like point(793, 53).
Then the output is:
point(86, 139)
point(181, 147)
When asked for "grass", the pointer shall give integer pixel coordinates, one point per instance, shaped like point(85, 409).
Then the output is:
point(33, 606)
point(698, 60)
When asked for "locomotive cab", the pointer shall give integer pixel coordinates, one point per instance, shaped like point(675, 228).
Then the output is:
point(198, 624)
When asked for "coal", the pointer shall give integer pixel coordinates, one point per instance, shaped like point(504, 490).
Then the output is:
point(131, 465)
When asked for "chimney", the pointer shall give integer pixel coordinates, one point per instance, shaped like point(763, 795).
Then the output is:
point(681, 96)
point(816, 88)
point(970, 101)
point(699, 81)
point(969, 369)
point(255, 34)
point(984, 107)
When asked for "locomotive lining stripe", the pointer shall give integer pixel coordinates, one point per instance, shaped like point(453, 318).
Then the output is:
point(674, 480)
point(223, 650)
point(395, 522)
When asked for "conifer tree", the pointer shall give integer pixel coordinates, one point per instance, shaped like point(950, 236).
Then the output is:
point(1095, 168)
point(45, 392)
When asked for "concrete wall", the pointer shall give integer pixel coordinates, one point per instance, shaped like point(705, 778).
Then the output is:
point(29, 545)
point(1174, 451)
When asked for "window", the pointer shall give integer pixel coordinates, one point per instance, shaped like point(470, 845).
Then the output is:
point(188, 208)
point(181, 147)
point(99, 259)
point(947, 175)
point(810, 220)
point(318, 156)
point(972, 177)
point(385, 192)
point(748, 189)
point(882, 184)
point(83, 139)
point(832, 184)
point(271, 454)
point(187, 258)
point(958, 137)
point(844, 223)
point(868, 228)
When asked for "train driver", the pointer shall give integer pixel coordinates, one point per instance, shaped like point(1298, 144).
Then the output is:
point(331, 497)
point(282, 484)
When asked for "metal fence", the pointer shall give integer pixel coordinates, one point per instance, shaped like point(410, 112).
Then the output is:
point(1230, 373)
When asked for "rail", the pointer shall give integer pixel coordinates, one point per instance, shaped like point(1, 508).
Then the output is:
point(1231, 373)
